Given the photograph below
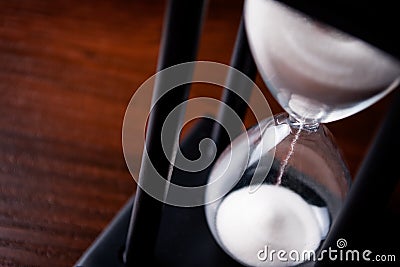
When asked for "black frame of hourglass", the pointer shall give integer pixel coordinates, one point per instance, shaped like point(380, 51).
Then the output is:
point(163, 235)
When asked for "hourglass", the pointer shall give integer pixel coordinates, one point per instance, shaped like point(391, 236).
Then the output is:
point(292, 184)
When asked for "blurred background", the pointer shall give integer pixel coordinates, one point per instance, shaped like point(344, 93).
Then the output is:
point(67, 72)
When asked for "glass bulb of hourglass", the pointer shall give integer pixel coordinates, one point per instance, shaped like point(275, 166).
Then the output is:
point(288, 206)
point(318, 75)
point(314, 71)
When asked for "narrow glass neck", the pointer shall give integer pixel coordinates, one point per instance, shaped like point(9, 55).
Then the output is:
point(308, 125)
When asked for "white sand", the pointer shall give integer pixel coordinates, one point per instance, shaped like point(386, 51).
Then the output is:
point(273, 216)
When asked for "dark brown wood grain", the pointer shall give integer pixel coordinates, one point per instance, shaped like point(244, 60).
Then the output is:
point(67, 72)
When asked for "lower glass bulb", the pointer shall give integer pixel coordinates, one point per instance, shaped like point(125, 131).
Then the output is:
point(293, 203)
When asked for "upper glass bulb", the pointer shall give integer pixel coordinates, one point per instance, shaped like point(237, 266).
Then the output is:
point(316, 73)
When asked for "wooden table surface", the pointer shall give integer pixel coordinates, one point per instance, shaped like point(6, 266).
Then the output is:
point(67, 72)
